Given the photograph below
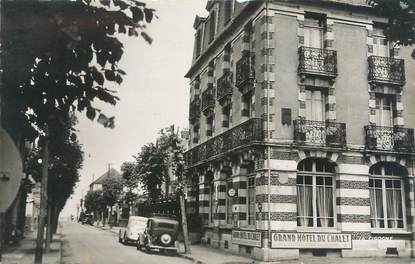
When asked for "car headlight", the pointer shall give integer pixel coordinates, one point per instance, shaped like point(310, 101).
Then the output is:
point(165, 239)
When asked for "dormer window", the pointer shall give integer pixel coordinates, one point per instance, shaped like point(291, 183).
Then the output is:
point(198, 40)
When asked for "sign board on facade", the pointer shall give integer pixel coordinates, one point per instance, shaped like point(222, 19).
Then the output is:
point(232, 192)
point(310, 240)
point(247, 238)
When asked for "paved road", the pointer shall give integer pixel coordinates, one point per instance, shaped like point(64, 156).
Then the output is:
point(82, 244)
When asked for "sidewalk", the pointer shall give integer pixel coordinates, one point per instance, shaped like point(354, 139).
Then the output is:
point(207, 255)
point(200, 254)
point(24, 251)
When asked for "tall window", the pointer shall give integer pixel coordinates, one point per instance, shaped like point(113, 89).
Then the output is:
point(251, 200)
point(212, 202)
point(315, 193)
point(386, 196)
point(198, 40)
point(380, 43)
point(384, 107)
point(228, 10)
point(212, 25)
point(315, 105)
point(246, 105)
point(313, 32)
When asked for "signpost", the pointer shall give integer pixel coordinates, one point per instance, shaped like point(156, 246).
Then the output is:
point(11, 175)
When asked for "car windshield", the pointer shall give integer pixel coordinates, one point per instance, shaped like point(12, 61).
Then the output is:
point(138, 223)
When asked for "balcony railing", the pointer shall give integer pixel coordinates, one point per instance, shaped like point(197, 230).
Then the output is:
point(194, 110)
point(245, 73)
point(315, 61)
point(224, 88)
point(389, 138)
point(320, 133)
point(237, 136)
point(386, 70)
point(208, 100)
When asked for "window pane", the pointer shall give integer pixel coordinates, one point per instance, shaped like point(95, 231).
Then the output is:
point(300, 179)
point(328, 181)
point(308, 165)
point(320, 180)
point(397, 184)
point(370, 183)
point(308, 180)
point(304, 205)
point(324, 203)
point(388, 183)
point(320, 166)
point(378, 183)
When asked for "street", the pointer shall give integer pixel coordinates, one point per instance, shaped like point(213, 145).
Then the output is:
point(84, 244)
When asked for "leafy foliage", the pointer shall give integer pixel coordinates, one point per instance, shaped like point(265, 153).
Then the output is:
point(62, 56)
point(111, 190)
point(94, 201)
point(401, 20)
point(130, 175)
point(157, 163)
point(65, 162)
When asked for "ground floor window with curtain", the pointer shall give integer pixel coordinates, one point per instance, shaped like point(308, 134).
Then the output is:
point(315, 193)
point(251, 201)
point(387, 200)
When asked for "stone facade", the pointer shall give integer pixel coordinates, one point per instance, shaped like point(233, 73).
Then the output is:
point(300, 121)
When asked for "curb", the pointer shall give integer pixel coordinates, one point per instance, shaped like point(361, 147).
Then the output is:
point(194, 260)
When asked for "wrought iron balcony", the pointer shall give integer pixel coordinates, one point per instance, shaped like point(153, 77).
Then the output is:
point(386, 70)
point(320, 133)
point(245, 73)
point(225, 89)
point(389, 138)
point(238, 136)
point(208, 100)
point(194, 110)
point(315, 61)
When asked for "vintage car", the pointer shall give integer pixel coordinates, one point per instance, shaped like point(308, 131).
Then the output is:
point(161, 234)
point(133, 231)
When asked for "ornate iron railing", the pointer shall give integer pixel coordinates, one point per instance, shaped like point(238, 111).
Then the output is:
point(320, 133)
point(208, 99)
point(386, 70)
point(224, 86)
point(194, 110)
point(317, 61)
point(389, 138)
point(245, 72)
point(237, 136)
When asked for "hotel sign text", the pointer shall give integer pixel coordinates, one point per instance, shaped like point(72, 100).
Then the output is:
point(247, 238)
point(310, 240)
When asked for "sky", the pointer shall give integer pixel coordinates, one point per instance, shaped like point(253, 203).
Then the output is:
point(153, 95)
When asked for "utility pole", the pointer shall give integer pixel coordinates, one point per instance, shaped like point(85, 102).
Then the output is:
point(43, 199)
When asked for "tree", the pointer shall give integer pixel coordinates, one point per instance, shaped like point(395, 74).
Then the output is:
point(111, 190)
point(401, 20)
point(66, 58)
point(150, 169)
point(94, 202)
point(130, 176)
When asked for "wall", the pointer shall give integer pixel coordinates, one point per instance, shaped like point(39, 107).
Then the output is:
point(351, 83)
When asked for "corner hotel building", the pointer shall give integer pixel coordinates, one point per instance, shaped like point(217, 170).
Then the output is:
point(301, 119)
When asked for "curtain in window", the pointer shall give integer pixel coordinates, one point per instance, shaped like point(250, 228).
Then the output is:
point(376, 208)
point(304, 204)
point(394, 207)
point(324, 201)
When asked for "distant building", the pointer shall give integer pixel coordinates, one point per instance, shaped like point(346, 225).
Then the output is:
point(301, 138)
point(97, 184)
